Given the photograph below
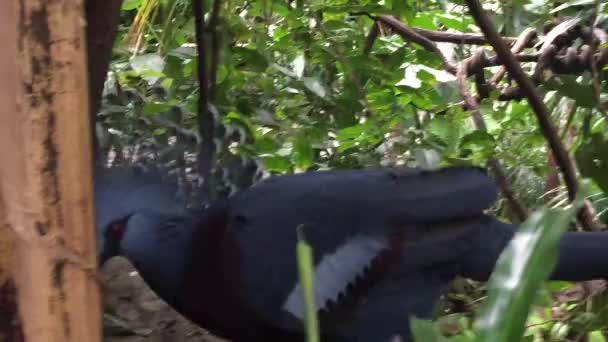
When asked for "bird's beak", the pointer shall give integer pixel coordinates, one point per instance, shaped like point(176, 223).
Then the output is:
point(110, 247)
point(101, 258)
point(103, 254)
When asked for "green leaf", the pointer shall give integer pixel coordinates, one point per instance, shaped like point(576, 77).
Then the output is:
point(425, 331)
point(156, 107)
point(159, 131)
point(596, 336)
point(520, 271)
point(568, 85)
point(441, 128)
point(335, 25)
point(234, 118)
point(266, 145)
point(348, 8)
point(423, 20)
point(128, 5)
point(167, 83)
point(459, 23)
point(222, 73)
point(183, 52)
point(303, 153)
point(148, 62)
point(381, 100)
point(487, 112)
point(427, 158)
point(306, 274)
point(250, 59)
point(572, 3)
point(346, 145)
point(423, 100)
point(479, 141)
point(189, 68)
point(149, 67)
point(592, 159)
point(276, 163)
point(352, 132)
point(315, 86)
point(299, 64)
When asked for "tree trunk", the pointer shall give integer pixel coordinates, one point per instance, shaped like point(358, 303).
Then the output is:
point(46, 224)
point(10, 325)
point(102, 21)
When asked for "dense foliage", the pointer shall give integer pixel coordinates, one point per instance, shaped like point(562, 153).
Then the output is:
point(302, 85)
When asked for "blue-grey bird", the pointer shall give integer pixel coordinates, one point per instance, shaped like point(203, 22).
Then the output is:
point(386, 244)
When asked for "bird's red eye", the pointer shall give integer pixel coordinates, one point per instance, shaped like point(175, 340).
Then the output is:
point(115, 231)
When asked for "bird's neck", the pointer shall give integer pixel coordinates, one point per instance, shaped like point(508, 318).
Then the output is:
point(206, 278)
point(161, 256)
point(209, 295)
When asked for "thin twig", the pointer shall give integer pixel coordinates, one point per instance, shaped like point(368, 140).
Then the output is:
point(495, 166)
point(371, 38)
point(541, 323)
point(459, 38)
point(449, 37)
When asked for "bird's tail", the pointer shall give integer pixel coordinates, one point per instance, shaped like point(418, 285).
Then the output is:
point(581, 255)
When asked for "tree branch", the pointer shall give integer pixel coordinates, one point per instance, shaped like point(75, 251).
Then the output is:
point(205, 118)
point(371, 38)
point(475, 62)
point(570, 62)
point(409, 34)
point(525, 39)
point(102, 20)
point(527, 86)
point(460, 38)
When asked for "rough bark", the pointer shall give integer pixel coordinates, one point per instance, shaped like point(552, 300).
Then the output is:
point(45, 184)
point(10, 322)
point(10, 326)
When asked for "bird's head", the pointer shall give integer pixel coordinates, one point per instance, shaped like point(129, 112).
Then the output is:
point(122, 197)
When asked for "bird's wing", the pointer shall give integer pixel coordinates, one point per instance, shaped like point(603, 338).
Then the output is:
point(404, 196)
point(348, 217)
